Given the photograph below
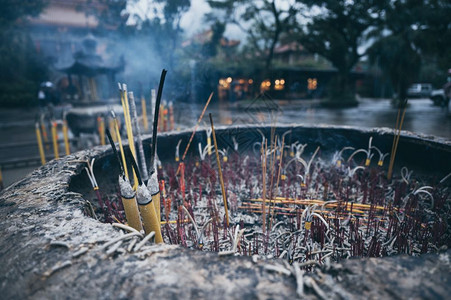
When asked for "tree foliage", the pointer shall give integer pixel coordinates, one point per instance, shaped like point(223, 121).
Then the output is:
point(263, 21)
point(21, 68)
point(108, 12)
point(336, 33)
point(410, 33)
point(433, 35)
point(402, 34)
point(11, 10)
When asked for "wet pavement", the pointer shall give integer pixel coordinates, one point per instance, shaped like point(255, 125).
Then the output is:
point(18, 140)
point(420, 117)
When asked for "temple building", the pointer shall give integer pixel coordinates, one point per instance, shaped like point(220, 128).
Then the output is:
point(82, 70)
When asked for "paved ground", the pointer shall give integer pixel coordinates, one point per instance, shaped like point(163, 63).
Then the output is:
point(421, 116)
point(17, 125)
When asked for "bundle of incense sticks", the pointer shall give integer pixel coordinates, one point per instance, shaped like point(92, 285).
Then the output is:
point(141, 202)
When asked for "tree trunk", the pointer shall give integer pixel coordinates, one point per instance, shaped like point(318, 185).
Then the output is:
point(340, 90)
point(277, 31)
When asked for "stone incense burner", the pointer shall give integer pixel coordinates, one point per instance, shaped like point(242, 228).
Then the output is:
point(50, 249)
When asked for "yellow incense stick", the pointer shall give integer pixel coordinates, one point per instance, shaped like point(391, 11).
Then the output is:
point(41, 147)
point(319, 202)
point(144, 113)
point(132, 213)
point(209, 145)
point(124, 162)
point(66, 138)
point(151, 223)
point(101, 122)
point(128, 125)
point(224, 198)
point(55, 140)
point(156, 200)
point(128, 195)
point(148, 212)
point(280, 163)
point(174, 221)
point(131, 140)
point(44, 132)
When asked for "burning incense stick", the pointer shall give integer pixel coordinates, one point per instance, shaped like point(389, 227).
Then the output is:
point(40, 145)
point(139, 142)
point(144, 198)
point(119, 139)
point(153, 185)
point(155, 120)
point(127, 116)
point(122, 166)
point(224, 197)
point(128, 195)
point(111, 125)
point(128, 126)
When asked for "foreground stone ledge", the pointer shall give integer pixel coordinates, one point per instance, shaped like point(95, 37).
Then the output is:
point(50, 250)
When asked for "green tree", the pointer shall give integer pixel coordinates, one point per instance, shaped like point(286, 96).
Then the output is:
point(108, 12)
point(432, 30)
point(22, 69)
point(336, 33)
point(398, 61)
point(210, 48)
point(410, 33)
point(263, 21)
point(13, 10)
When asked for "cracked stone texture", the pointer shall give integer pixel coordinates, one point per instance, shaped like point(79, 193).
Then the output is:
point(40, 209)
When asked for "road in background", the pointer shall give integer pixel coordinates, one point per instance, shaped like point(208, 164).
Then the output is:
point(18, 140)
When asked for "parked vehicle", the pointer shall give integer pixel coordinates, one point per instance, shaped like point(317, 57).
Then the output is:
point(419, 90)
point(439, 97)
